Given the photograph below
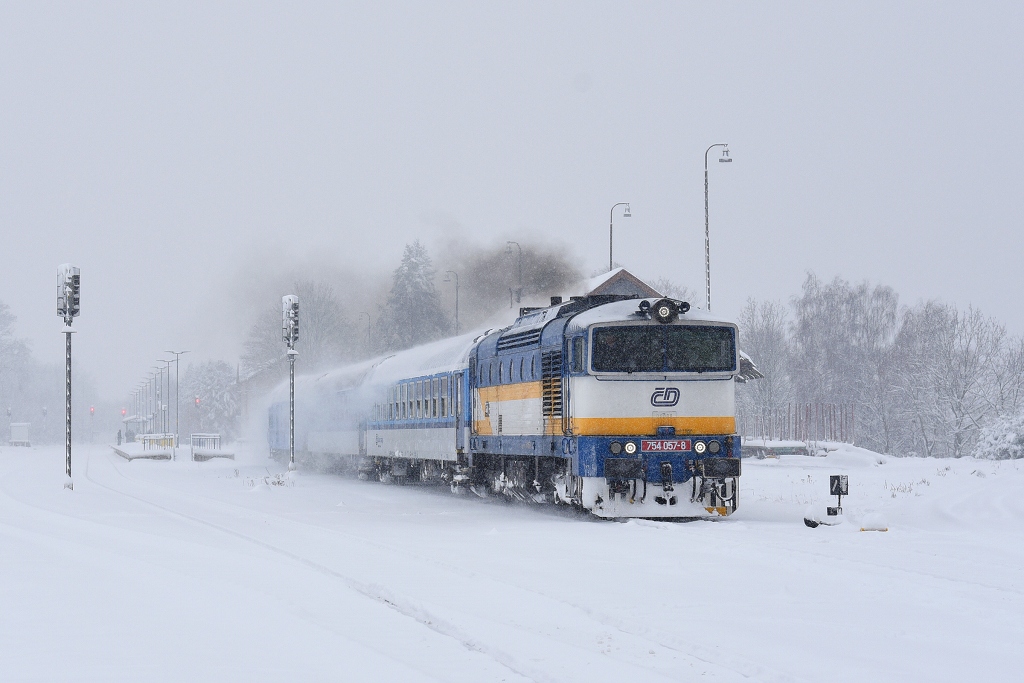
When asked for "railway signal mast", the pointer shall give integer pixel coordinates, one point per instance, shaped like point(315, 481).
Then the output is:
point(290, 331)
point(69, 291)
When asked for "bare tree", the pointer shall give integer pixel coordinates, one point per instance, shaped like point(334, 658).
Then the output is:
point(763, 337)
point(325, 334)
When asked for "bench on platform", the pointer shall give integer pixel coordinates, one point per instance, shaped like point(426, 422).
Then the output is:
point(146, 448)
point(208, 446)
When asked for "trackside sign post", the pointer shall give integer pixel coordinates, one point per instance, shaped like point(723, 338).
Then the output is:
point(838, 486)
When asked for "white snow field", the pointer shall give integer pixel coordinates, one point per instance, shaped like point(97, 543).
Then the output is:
point(181, 571)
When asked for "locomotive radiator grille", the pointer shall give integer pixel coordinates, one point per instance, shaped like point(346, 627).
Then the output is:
point(551, 383)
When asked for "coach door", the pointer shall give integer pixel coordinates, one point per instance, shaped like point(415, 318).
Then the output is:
point(460, 408)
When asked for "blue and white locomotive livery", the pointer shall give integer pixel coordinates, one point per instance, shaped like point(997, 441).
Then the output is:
point(621, 406)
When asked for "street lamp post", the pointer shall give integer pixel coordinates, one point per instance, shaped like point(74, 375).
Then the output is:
point(158, 380)
point(611, 221)
point(448, 279)
point(163, 408)
point(707, 234)
point(177, 358)
point(519, 281)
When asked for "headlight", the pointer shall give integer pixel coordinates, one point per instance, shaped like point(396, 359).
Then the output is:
point(714, 447)
point(615, 447)
point(630, 447)
point(700, 447)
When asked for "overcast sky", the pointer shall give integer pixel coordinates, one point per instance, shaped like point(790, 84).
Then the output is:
point(163, 147)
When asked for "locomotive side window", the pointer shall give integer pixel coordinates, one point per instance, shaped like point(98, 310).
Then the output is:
point(533, 367)
point(577, 354)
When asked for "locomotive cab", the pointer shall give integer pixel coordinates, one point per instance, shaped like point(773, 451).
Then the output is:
point(650, 397)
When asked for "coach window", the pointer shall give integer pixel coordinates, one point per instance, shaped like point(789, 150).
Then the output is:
point(434, 388)
point(444, 397)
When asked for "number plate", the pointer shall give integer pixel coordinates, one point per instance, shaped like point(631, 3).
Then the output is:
point(664, 445)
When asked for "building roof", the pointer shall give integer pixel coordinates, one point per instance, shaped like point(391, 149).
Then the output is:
point(620, 281)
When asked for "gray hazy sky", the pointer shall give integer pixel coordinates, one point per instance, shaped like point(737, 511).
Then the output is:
point(163, 147)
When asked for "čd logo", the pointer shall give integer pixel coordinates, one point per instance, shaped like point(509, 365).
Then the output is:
point(665, 396)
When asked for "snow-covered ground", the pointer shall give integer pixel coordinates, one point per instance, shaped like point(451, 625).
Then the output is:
point(177, 571)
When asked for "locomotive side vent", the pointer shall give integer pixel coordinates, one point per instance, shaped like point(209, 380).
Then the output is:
point(551, 383)
point(518, 340)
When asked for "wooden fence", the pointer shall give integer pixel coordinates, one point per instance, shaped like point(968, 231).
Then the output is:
point(801, 422)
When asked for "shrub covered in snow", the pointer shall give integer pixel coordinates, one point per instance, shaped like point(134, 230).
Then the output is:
point(1002, 440)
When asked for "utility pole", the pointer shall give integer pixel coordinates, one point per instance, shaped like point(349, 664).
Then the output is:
point(447, 278)
point(519, 282)
point(361, 314)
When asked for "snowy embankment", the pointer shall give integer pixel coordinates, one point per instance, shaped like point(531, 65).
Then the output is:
point(226, 571)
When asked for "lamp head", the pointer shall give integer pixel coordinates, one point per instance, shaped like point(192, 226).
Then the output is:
point(725, 156)
point(627, 214)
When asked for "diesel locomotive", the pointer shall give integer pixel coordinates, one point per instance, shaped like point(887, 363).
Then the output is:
point(618, 405)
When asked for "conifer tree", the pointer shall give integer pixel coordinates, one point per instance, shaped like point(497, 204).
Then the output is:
point(413, 313)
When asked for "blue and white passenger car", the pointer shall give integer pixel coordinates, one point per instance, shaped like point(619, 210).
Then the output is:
point(622, 406)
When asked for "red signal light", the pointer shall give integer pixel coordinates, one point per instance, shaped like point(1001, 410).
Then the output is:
point(123, 412)
point(92, 410)
point(197, 401)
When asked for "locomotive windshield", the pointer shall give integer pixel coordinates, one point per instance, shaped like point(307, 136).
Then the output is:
point(664, 348)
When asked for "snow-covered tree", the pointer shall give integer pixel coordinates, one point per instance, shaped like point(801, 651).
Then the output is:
point(413, 313)
point(1003, 439)
point(489, 276)
point(19, 374)
point(214, 384)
